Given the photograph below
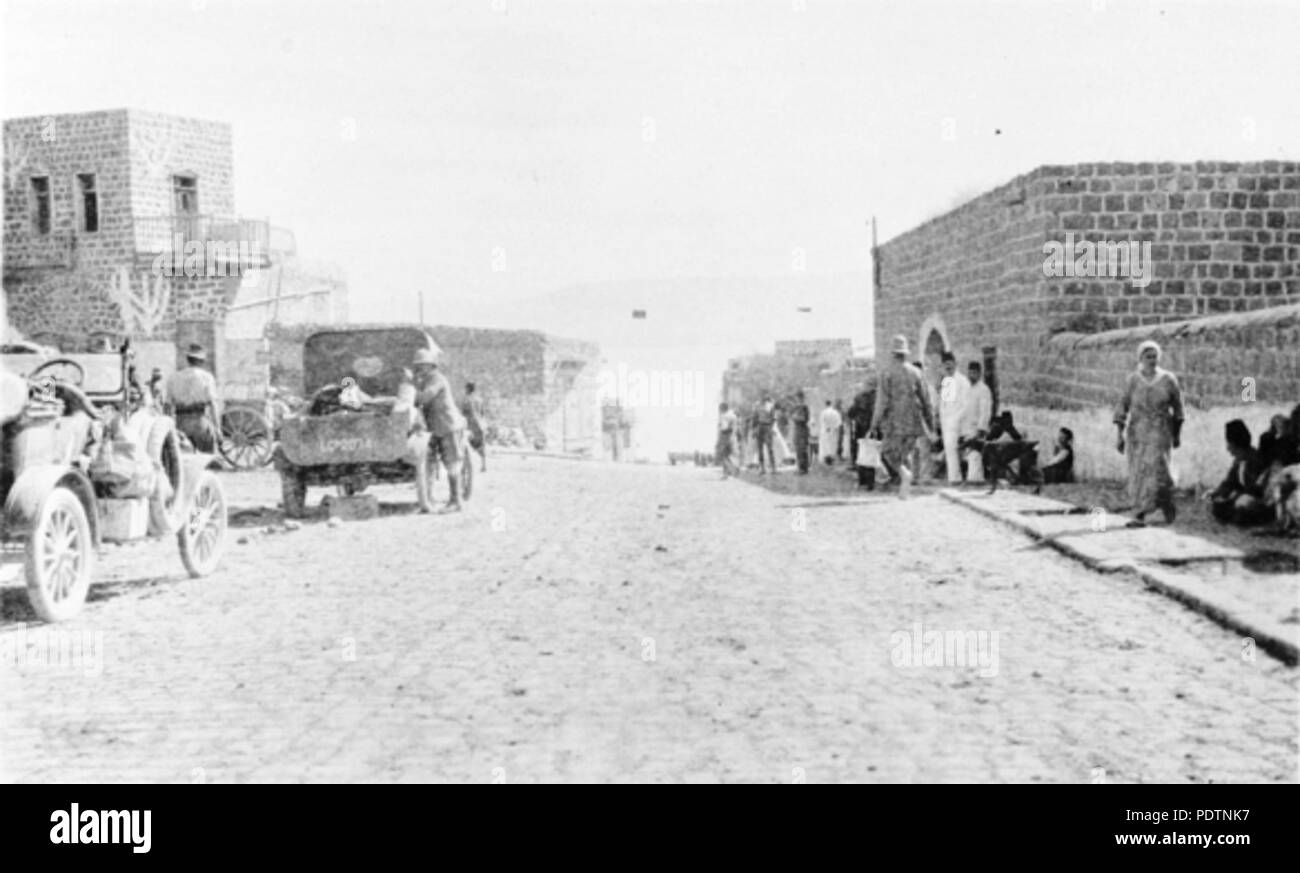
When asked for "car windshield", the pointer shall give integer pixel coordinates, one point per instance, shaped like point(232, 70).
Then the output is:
point(374, 358)
point(103, 373)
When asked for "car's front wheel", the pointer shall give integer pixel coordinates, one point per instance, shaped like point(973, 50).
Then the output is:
point(60, 557)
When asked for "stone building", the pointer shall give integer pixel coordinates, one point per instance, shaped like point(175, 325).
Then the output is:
point(828, 349)
point(122, 223)
point(546, 386)
point(824, 369)
point(1221, 298)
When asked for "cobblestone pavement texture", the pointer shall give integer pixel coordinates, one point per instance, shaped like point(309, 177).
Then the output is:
point(603, 622)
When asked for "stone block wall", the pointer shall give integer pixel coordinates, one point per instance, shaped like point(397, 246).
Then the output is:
point(973, 276)
point(164, 146)
point(1225, 237)
point(57, 283)
point(66, 286)
point(1225, 245)
point(508, 368)
point(548, 386)
point(1242, 365)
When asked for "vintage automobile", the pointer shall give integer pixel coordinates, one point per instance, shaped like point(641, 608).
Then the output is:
point(64, 493)
point(353, 432)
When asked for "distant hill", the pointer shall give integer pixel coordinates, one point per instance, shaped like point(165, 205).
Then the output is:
point(739, 314)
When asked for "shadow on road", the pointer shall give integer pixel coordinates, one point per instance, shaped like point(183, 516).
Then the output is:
point(1271, 561)
point(860, 501)
point(14, 607)
point(100, 591)
point(267, 516)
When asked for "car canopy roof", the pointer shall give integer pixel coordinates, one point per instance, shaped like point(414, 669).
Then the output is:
point(373, 356)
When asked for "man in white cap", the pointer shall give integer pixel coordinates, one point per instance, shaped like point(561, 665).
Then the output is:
point(902, 413)
point(446, 424)
point(191, 395)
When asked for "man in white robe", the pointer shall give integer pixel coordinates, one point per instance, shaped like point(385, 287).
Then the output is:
point(954, 394)
point(829, 438)
point(979, 415)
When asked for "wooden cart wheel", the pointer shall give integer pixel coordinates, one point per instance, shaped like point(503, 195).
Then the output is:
point(60, 557)
point(246, 441)
point(203, 535)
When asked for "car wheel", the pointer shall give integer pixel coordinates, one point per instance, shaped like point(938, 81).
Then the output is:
point(60, 557)
point(203, 535)
point(164, 449)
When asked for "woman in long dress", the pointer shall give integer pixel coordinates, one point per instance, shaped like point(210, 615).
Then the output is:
point(1149, 418)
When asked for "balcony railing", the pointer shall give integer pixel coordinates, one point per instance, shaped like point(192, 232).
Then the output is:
point(242, 241)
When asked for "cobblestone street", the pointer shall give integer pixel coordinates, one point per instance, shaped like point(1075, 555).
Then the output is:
point(617, 623)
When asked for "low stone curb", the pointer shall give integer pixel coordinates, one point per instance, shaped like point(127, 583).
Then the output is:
point(1269, 635)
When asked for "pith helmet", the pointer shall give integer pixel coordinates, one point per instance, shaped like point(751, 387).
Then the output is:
point(425, 356)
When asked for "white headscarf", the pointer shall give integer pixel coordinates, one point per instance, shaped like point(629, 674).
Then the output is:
point(1150, 344)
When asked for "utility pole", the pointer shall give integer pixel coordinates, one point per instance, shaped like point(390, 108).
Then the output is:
point(420, 297)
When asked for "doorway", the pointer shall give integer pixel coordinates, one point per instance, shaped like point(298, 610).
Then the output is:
point(990, 354)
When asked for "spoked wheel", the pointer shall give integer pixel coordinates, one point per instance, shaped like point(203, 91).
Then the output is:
point(246, 441)
point(164, 448)
point(60, 557)
point(202, 537)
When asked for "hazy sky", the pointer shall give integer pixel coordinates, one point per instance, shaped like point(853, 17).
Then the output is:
point(616, 140)
point(492, 150)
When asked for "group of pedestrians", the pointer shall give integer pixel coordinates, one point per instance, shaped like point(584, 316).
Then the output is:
point(1261, 483)
point(910, 421)
point(762, 429)
point(908, 415)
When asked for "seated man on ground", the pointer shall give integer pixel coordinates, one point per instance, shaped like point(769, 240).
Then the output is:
point(1005, 454)
point(1239, 497)
point(1060, 468)
point(1279, 455)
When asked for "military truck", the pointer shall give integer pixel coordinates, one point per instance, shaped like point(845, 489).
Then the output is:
point(353, 432)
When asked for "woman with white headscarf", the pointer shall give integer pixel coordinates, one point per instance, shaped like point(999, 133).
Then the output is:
point(1150, 418)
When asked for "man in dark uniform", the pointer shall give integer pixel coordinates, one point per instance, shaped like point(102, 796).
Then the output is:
point(446, 424)
point(761, 424)
point(800, 416)
point(472, 408)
